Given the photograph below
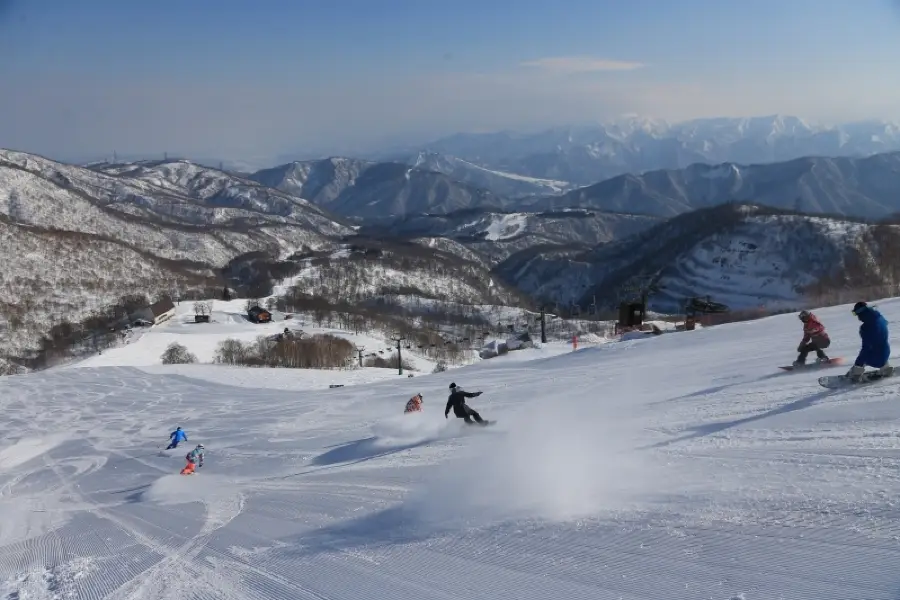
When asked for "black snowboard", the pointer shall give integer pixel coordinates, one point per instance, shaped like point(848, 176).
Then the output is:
point(834, 382)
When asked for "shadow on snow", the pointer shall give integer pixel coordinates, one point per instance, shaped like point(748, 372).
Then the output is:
point(398, 525)
point(362, 450)
point(713, 428)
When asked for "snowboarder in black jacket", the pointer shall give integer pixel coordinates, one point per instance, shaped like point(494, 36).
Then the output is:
point(457, 400)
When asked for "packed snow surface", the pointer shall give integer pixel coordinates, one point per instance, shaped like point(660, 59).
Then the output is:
point(678, 466)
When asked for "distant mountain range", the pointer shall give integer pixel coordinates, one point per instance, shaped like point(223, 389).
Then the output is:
point(77, 239)
point(586, 155)
point(384, 193)
point(858, 187)
point(366, 190)
point(81, 237)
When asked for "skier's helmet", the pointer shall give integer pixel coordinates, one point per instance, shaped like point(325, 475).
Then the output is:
point(200, 446)
point(804, 315)
point(859, 307)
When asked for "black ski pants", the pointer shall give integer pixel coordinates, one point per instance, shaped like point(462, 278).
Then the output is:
point(805, 349)
point(468, 413)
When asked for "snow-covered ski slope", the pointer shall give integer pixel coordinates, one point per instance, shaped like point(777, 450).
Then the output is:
point(144, 348)
point(680, 466)
point(228, 321)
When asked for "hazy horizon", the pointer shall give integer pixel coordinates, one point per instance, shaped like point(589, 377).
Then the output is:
point(222, 81)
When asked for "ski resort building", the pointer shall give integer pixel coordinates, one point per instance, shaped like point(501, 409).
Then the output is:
point(259, 315)
point(157, 313)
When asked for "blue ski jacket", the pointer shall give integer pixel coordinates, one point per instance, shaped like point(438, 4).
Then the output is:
point(178, 435)
point(876, 348)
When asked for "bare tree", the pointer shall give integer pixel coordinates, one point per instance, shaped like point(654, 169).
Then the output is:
point(176, 354)
point(232, 352)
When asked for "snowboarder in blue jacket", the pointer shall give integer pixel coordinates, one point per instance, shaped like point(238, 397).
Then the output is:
point(876, 347)
point(177, 436)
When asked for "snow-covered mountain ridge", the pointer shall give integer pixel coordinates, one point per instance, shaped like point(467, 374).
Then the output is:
point(503, 183)
point(494, 236)
point(368, 191)
point(387, 193)
point(76, 240)
point(194, 224)
point(855, 187)
point(586, 154)
point(371, 269)
point(177, 229)
point(188, 191)
point(743, 256)
point(181, 211)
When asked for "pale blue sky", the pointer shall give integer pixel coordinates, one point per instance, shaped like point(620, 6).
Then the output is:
point(242, 79)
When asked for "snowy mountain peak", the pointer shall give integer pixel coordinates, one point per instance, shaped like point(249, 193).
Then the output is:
point(635, 144)
point(630, 124)
point(744, 255)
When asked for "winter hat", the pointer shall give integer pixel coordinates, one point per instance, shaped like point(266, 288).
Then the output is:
point(452, 385)
point(859, 307)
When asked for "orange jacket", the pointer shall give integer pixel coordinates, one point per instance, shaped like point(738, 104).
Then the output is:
point(414, 404)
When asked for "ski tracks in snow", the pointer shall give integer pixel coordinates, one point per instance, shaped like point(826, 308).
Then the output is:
point(100, 515)
point(736, 484)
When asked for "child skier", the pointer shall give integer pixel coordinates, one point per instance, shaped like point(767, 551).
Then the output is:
point(177, 437)
point(814, 339)
point(414, 404)
point(193, 457)
point(876, 347)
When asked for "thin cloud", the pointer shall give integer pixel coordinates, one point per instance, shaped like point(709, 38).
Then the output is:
point(581, 64)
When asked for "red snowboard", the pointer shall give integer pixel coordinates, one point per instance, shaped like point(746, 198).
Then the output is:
point(831, 362)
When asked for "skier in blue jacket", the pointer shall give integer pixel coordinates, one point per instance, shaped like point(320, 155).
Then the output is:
point(876, 347)
point(177, 436)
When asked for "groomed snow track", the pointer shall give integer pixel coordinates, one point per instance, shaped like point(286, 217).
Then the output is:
point(681, 466)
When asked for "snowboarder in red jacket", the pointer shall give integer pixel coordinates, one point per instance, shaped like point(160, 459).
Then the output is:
point(814, 339)
point(414, 404)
